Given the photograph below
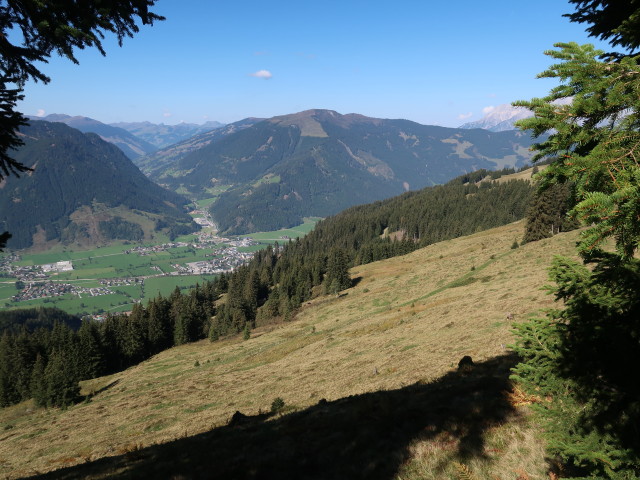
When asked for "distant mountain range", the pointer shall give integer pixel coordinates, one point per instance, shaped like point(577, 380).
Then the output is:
point(500, 119)
point(318, 162)
point(132, 146)
point(161, 135)
point(135, 139)
point(83, 190)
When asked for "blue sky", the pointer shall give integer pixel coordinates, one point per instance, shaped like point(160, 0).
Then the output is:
point(433, 62)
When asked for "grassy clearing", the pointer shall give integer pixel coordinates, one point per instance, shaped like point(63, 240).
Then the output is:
point(165, 285)
point(268, 178)
point(382, 356)
point(284, 234)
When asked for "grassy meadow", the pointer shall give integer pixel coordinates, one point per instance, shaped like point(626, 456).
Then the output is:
point(369, 382)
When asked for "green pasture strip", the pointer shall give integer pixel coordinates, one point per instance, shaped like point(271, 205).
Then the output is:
point(308, 225)
point(165, 266)
point(293, 232)
point(7, 291)
point(75, 305)
point(190, 238)
point(206, 202)
point(73, 255)
point(105, 272)
point(139, 271)
point(134, 291)
point(217, 190)
point(165, 285)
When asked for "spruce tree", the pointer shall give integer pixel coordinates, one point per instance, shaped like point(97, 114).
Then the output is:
point(579, 361)
point(548, 213)
point(159, 325)
point(91, 357)
point(8, 393)
point(135, 335)
point(38, 382)
point(62, 389)
point(337, 277)
point(21, 362)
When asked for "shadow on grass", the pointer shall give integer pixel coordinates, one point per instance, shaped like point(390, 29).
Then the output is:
point(363, 436)
point(104, 389)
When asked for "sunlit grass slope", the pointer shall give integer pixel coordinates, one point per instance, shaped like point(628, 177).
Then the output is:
point(393, 341)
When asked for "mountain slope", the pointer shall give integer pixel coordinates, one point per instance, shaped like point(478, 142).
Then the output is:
point(388, 341)
point(132, 146)
point(162, 135)
point(318, 162)
point(165, 158)
point(78, 182)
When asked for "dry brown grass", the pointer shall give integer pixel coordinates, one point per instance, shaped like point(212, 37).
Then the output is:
point(406, 321)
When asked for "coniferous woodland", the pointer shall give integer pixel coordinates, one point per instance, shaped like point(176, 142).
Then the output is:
point(45, 359)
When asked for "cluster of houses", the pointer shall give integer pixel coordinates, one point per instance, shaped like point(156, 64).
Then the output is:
point(205, 241)
point(6, 262)
point(52, 289)
point(119, 281)
point(147, 250)
point(41, 290)
point(31, 273)
point(230, 258)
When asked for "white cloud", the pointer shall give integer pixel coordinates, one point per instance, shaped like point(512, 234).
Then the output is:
point(464, 116)
point(40, 113)
point(492, 95)
point(488, 109)
point(166, 114)
point(266, 74)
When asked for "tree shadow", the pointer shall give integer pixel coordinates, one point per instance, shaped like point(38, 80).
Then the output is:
point(365, 436)
point(93, 393)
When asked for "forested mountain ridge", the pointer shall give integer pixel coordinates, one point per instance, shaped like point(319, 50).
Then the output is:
point(318, 162)
point(162, 161)
point(83, 190)
point(132, 145)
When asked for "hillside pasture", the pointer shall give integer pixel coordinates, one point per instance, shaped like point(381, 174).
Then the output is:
point(368, 380)
point(277, 235)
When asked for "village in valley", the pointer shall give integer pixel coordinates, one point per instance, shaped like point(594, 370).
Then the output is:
point(39, 281)
point(112, 279)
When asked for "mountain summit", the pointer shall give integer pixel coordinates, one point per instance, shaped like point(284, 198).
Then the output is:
point(500, 118)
